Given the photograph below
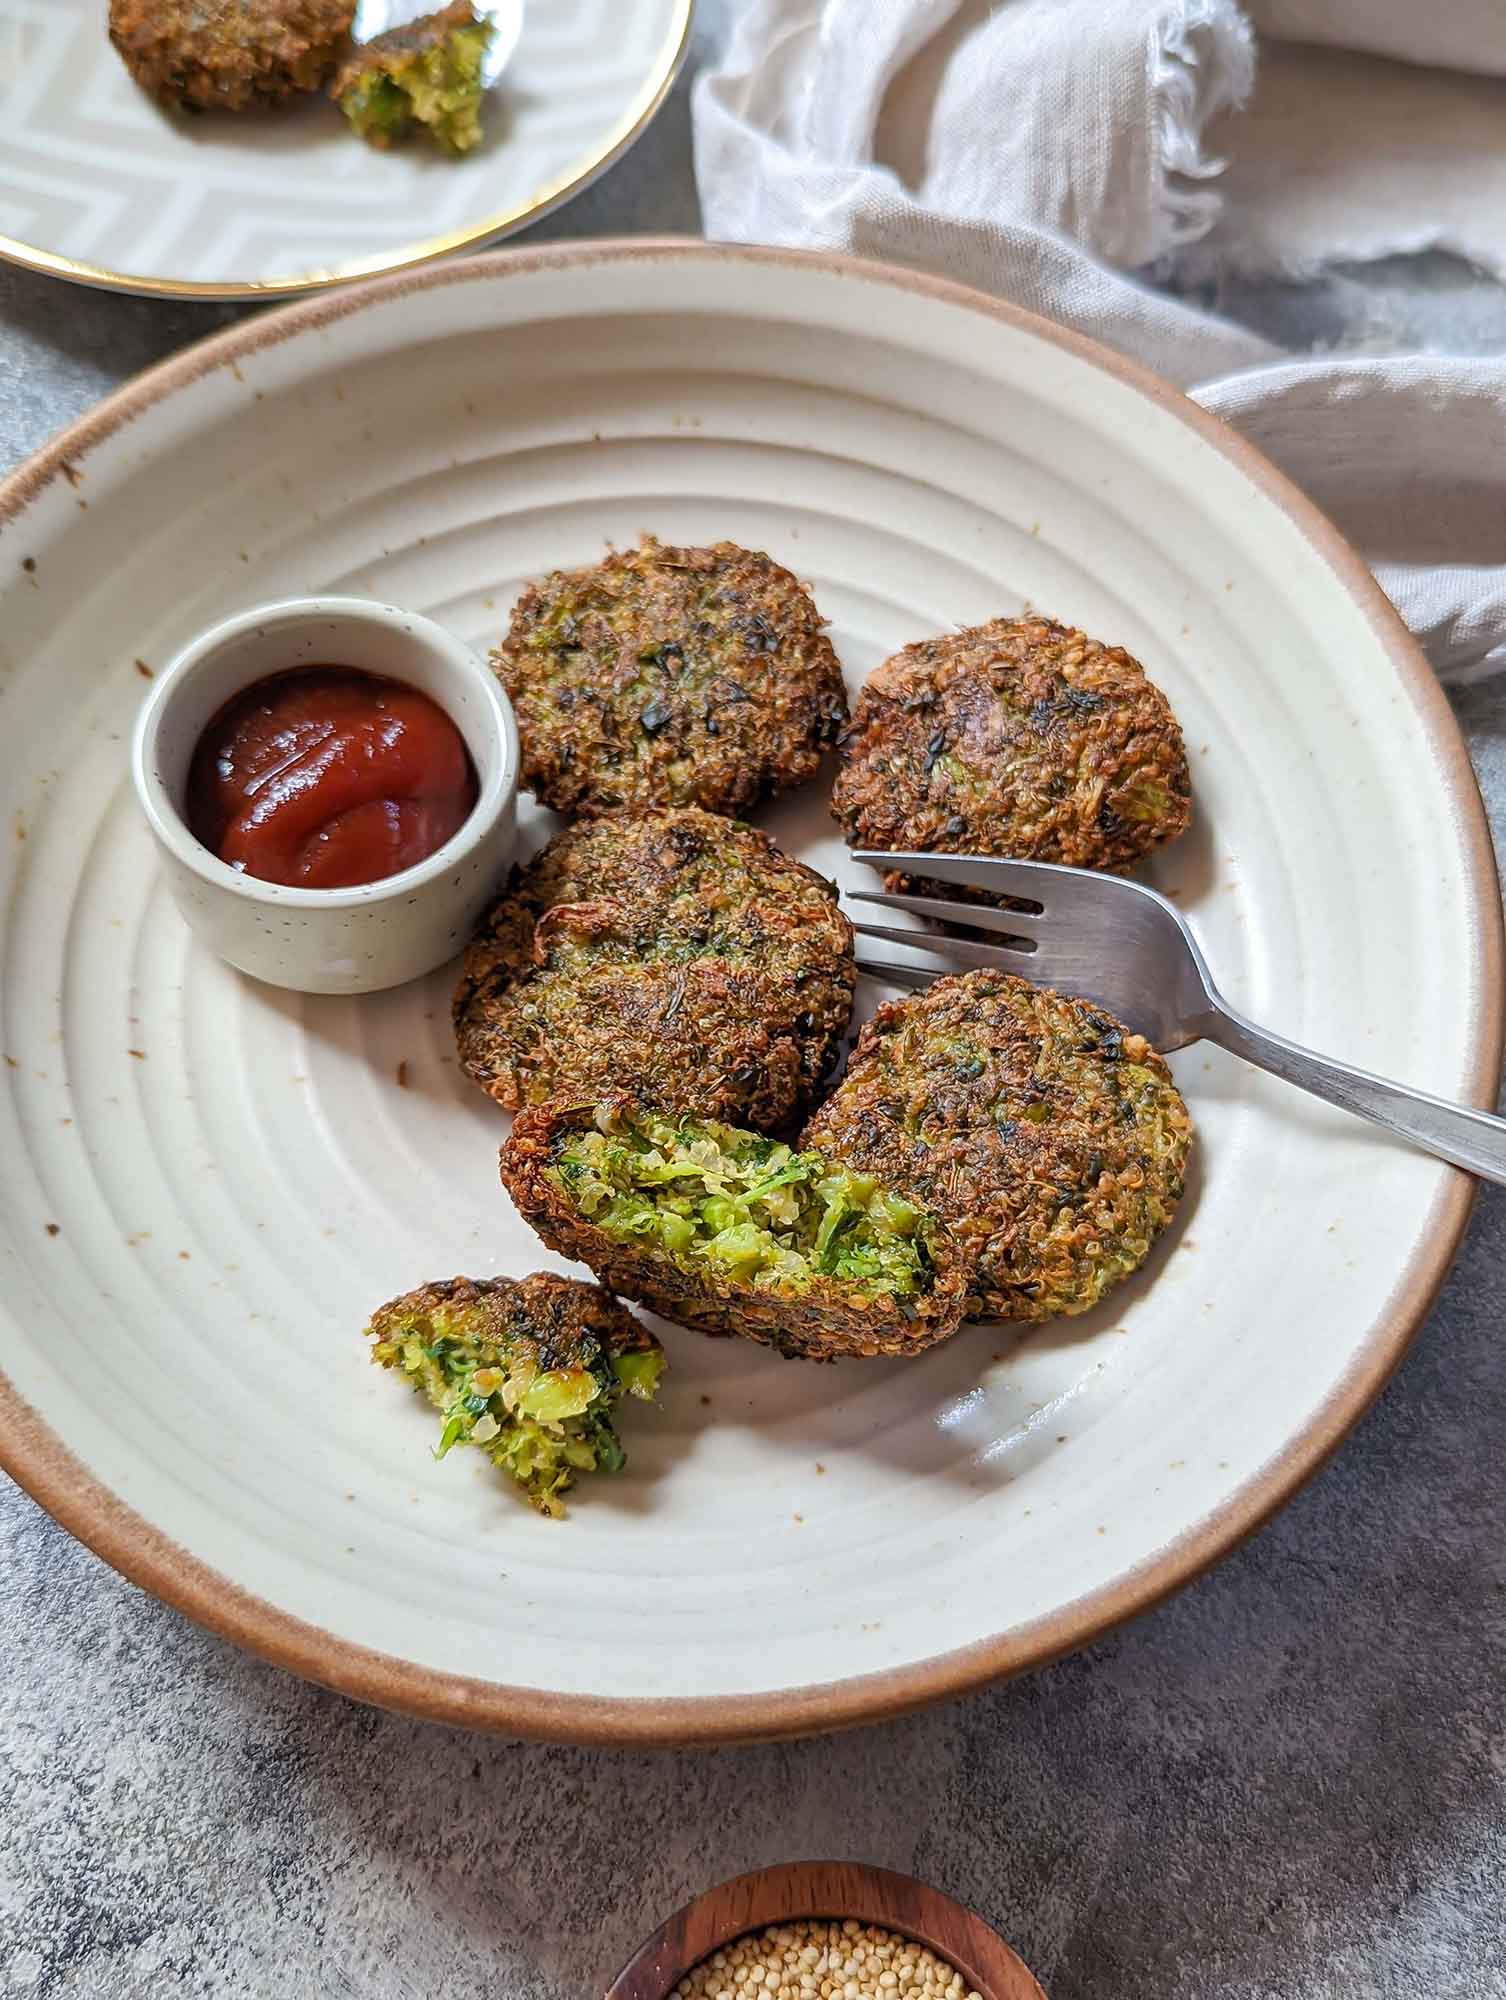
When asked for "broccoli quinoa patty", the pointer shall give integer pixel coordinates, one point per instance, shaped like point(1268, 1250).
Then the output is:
point(732, 1233)
point(528, 1370)
point(1019, 738)
point(1051, 1138)
point(667, 676)
point(427, 74)
point(675, 954)
point(229, 55)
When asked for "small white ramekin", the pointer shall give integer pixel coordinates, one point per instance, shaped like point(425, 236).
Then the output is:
point(377, 934)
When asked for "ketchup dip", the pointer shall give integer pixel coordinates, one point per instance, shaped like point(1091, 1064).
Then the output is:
point(325, 777)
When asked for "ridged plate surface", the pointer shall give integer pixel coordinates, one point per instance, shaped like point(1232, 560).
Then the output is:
point(99, 183)
point(207, 1183)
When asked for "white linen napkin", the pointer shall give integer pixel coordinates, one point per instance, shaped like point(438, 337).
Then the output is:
point(1455, 34)
point(1043, 149)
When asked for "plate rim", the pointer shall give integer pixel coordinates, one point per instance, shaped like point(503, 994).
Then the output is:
point(668, 61)
point(41, 1463)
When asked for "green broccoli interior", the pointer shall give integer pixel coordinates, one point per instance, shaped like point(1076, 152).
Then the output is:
point(1143, 801)
point(726, 1203)
point(540, 1425)
point(438, 86)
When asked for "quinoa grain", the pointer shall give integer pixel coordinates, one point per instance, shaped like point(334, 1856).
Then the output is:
point(824, 1961)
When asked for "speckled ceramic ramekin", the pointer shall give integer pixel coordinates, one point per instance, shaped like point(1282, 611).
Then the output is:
point(375, 934)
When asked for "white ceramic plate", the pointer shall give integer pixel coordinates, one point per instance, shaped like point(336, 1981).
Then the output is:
point(207, 1183)
point(100, 184)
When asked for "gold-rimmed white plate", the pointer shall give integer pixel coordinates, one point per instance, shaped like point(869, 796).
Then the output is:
point(206, 1184)
point(100, 184)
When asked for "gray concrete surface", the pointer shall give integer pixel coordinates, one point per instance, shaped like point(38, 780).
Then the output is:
point(1291, 1781)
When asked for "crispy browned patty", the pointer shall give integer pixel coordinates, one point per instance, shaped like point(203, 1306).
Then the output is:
point(563, 1322)
point(227, 55)
point(670, 676)
point(1050, 1137)
point(831, 1318)
point(1018, 738)
point(428, 74)
point(671, 953)
point(408, 39)
point(529, 1371)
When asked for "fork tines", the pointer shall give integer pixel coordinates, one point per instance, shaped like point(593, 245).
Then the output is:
point(1015, 930)
point(957, 950)
point(1021, 925)
point(1031, 880)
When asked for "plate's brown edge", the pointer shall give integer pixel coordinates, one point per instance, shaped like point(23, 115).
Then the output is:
point(668, 61)
point(39, 1461)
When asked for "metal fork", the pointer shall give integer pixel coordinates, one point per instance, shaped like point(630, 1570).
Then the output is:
point(1128, 949)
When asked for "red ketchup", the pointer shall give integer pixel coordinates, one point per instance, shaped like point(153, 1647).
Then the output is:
point(326, 776)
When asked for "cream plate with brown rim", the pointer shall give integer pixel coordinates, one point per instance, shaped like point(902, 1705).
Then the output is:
point(100, 184)
point(208, 1183)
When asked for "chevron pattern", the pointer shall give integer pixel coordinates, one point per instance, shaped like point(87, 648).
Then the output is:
point(93, 172)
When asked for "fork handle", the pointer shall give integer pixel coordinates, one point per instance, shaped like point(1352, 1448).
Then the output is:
point(1472, 1139)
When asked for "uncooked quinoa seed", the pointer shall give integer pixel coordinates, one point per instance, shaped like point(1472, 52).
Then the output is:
point(823, 1961)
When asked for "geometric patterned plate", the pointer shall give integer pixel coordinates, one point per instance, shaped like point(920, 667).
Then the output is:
point(100, 184)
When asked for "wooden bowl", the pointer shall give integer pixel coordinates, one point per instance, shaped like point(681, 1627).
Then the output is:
point(832, 1890)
